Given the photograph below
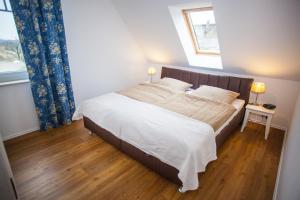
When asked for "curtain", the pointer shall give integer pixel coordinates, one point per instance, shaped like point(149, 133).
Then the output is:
point(41, 32)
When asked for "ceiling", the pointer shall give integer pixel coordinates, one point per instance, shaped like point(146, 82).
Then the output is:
point(257, 37)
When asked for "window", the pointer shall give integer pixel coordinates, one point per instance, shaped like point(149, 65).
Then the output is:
point(196, 28)
point(12, 65)
point(202, 27)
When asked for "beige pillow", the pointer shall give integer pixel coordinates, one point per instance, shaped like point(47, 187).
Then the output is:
point(174, 84)
point(216, 94)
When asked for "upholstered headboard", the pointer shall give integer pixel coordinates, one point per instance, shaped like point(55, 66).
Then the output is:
point(236, 84)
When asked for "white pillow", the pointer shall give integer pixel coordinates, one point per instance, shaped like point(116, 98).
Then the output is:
point(174, 84)
point(216, 94)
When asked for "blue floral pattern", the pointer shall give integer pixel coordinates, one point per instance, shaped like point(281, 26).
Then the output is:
point(42, 36)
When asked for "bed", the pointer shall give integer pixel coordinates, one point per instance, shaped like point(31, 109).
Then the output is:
point(236, 84)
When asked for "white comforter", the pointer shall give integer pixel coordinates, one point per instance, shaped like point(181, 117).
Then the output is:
point(182, 142)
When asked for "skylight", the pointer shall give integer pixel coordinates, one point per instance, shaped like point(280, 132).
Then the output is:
point(197, 31)
point(202, 26)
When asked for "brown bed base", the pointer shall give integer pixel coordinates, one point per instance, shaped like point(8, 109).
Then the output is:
point(241, 85)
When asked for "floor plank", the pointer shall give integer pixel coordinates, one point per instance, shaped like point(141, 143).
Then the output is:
point(68, 163)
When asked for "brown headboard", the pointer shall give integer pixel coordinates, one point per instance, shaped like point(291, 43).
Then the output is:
point(236, 84)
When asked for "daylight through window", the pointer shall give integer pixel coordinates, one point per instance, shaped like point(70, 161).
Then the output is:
point(12, 65)
point(202, 26)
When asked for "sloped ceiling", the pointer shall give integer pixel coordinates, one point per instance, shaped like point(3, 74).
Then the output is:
point(257, 37)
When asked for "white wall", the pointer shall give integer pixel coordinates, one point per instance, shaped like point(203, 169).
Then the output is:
point(17, 111)
point(257, 37)
point(282, 93)
point(289, 181)
point(103, 57)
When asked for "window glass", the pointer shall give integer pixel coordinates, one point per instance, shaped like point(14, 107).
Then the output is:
point(2, 5)
point(11, 56)
point(8, 5)
point(202, 26)
point(205, 30)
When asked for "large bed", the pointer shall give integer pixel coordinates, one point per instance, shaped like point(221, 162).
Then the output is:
point(158, 163)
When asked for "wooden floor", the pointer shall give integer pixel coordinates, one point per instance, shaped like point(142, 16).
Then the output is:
point(68, 163)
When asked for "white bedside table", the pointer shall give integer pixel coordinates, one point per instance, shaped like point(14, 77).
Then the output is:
point(259, 110)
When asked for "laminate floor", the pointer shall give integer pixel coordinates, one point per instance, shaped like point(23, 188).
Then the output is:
point(68, 163)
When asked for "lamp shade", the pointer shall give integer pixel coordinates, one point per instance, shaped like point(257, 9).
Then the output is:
point(258, 87)
point(151, 71)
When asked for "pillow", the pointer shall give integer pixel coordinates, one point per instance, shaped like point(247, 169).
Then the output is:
point(216, 94)
point(174, 84)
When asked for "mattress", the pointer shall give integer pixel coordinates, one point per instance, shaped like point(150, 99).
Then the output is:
point(192, 106)
point(238, 104)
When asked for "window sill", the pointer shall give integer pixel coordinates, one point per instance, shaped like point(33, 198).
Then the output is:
point(207, 61)
point(14, 82)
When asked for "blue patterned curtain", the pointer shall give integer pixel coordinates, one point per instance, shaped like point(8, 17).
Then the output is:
point(42, 36)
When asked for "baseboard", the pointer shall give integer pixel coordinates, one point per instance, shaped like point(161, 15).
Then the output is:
point(279, 166)
point(8, 137)
point(272, 125)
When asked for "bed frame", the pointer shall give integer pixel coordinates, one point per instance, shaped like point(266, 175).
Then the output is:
point(236, 84)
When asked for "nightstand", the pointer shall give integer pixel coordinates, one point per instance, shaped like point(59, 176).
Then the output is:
point(259, 110)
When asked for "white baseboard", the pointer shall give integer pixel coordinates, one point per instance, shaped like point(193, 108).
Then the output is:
point(279, 166)
point(272, 125)
point(14, 135)
point(11, 136)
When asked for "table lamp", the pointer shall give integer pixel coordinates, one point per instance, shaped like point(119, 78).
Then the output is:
point(258, 88)
point(151, 72)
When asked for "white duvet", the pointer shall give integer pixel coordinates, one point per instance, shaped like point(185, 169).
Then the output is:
point(182, 142)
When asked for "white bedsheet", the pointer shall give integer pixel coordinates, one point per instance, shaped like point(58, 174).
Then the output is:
point(184, 143)
point(238, 104)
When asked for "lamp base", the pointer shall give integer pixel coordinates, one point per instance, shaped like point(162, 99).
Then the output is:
point(150, 81)
point(255, 103)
